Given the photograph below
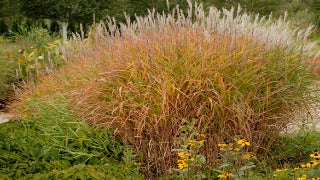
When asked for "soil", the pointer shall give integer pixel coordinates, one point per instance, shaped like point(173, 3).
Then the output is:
point(5, 117)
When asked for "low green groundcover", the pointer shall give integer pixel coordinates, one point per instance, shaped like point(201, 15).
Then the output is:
point(54, 145)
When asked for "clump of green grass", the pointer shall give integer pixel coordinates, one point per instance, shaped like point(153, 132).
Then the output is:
point(231, 75)
point(291, 150)
point(52, 143)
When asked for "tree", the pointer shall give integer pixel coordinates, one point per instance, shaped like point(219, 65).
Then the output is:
point(315, 7)
point(63, 11)
point(3, 27)
point(9, 8)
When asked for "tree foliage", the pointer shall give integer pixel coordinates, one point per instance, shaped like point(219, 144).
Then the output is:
point(63, 10)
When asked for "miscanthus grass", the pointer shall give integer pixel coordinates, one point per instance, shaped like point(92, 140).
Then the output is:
point(231, 73)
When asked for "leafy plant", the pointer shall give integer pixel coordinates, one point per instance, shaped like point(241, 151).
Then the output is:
point(190, 161)
point(236, 161)
point(39, 52)
point(52, 143)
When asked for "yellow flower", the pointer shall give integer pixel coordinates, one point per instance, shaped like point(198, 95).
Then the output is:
point(313, 163)
point(225, 175)
point(181, 166)
point(246, 156)
point(190, 142)
point(181, 154)
point(308, 165)
point(201, 142)
point(303, 165)
point(315, 155)
point(296, 168)
point(243, 142)
point(192, 159)
point(201, 135)
point(222, 145)
point(281, 170)
point(234, 149)
point(20, 61)
point(303, 177)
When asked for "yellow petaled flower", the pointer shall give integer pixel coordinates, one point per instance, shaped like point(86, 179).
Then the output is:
point(222, 145)
point(301, 178)
point(225, 175)
point(190, 142)
point(192, 159)
point(313, 163)
point(180, 161)
point(246, 156)
point(201, 142)
point(181, 166)
point(201, 135)
point(308, 165)
point(281, 170)
point(296, 168)
point(303, 165)
point(315, 155)
point(234, 149)
point(20, 61)
point(181, 154)
point(243, 142)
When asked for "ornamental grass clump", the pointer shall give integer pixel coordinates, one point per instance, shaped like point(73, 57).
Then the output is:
point(234, 76)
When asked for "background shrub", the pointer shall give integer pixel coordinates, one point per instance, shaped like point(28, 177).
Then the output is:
point(3, 27)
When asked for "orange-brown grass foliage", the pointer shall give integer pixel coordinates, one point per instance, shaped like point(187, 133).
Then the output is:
point(145, 86)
